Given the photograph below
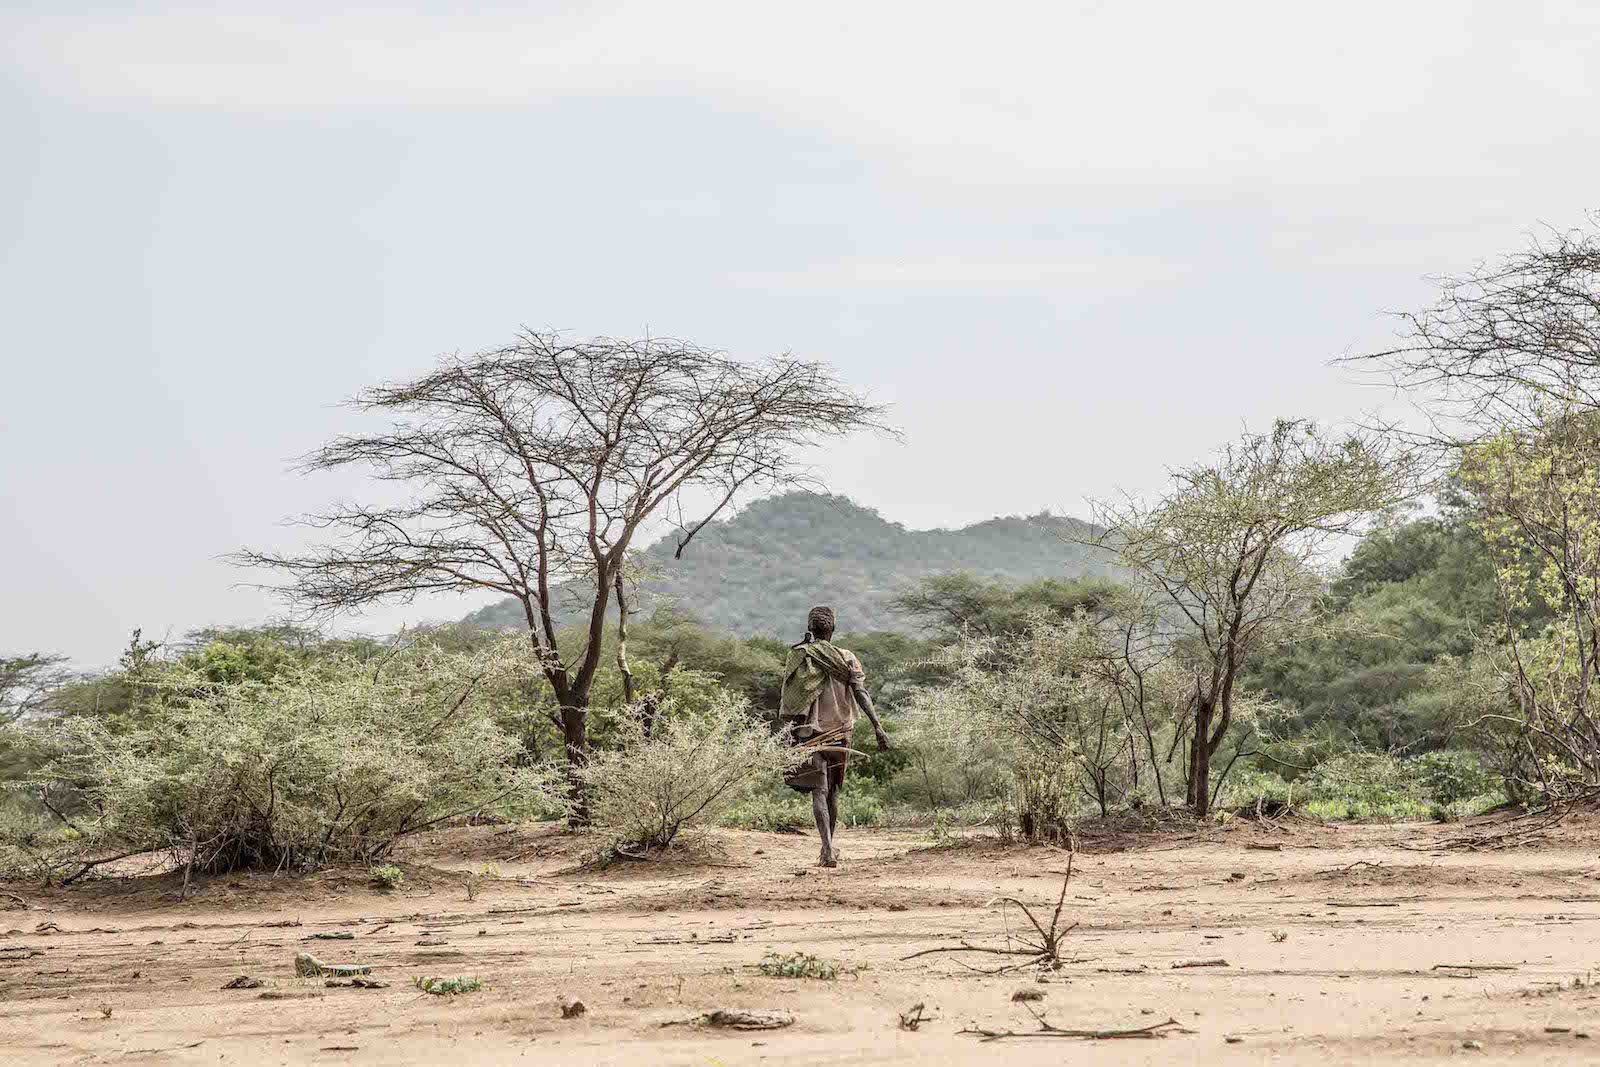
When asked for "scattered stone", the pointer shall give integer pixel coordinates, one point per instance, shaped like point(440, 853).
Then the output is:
point(572, 1007)
point(897, 907)
point(244, 981)
point(1232, 1040)
point(1472, 1044)
point(355, 983)
point(434, 942)
point(1026, 994)
point(290, 994)
point(342, 935)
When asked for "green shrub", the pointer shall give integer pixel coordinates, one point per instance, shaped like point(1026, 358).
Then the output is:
point(1254, 790)
point(691, 770)
point(772, 812)
point(448, 987)
point(387, 876)
point(36, 847)
point(1451, 777)
point(859, 808)
point(332, 761)
point(798, 965)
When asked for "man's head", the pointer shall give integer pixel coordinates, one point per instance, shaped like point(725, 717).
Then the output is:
point(820, 623)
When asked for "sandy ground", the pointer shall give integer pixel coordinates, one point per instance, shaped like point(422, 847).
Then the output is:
point(1335, 940)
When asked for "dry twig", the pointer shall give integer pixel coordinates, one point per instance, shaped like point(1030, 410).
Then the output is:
point(1043, 952)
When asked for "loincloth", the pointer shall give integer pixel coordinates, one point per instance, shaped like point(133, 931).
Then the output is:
point(822, 771)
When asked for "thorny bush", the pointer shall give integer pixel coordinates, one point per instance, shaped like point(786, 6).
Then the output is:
point(688, 770)
point(334, 761)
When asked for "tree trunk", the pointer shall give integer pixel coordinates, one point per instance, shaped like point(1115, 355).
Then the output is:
point(1200, 760)
point(622, 642)
point(575, 739)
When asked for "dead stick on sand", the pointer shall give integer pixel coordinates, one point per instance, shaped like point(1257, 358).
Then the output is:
point(1474, 966)
point(1157, 1030)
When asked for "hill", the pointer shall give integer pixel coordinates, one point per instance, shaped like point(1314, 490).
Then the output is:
point(760, 570)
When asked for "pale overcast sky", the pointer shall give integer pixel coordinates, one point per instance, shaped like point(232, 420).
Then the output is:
point(1069, 242)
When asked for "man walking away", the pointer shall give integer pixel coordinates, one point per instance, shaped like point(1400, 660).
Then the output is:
point(823, 685)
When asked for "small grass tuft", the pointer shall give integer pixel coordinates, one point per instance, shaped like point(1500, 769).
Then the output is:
point(448, 987)
point(800, 965)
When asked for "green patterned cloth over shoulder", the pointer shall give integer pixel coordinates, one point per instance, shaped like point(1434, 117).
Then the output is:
point(808, 669)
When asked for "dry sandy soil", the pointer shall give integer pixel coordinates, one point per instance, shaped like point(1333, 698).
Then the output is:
point(1337, 943)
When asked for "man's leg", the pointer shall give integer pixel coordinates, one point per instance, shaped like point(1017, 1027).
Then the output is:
point(819, 811)
point(833, 805)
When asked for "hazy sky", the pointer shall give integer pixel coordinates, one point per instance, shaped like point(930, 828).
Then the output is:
point(1070, 243)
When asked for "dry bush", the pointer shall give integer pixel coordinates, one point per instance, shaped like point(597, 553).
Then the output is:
point(688, 771)
point(335, 761)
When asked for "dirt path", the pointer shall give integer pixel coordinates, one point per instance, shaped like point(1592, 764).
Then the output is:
point(1334, 945)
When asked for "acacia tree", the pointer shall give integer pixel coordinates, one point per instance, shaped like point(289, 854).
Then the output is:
point(1536, 496)
point(1234, 546)
point(26, 683)
point(1504, 343)
point(1507, 366)
point(533, 468)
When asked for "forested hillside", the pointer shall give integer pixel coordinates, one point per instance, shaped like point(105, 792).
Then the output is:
point(758, 572)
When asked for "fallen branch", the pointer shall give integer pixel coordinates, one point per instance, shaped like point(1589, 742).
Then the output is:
point(92, 864)
point(1474, 967)
point(1155, 1030)
point(1182, 964)
point(731, 1019)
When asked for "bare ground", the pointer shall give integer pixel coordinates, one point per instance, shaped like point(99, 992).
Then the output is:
point(1336, 941)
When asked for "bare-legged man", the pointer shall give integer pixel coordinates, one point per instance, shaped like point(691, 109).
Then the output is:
point(823, 685)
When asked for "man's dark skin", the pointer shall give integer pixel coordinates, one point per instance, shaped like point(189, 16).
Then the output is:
point(825, 801)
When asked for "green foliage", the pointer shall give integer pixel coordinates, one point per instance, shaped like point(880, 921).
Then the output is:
point(858, 808)
point(334, 760)
point(678, 770)
point(1412, 597)
point(1367, 785)
point(387, 876)
point(36, 846)
point(771, 812)
point(960, 604)
point(799, 965)
point(447, 987)
point(1232, 548)
point(1057, 716)
point(26, 683)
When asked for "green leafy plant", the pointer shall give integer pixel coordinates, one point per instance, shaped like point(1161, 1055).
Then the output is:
point(388, 876)
point(800, 965)
point(327, 761)
point(679, 769)
point(448, 987)
point(475, 879)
